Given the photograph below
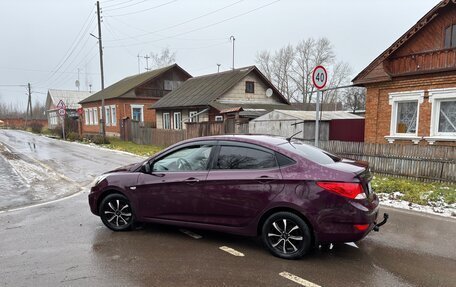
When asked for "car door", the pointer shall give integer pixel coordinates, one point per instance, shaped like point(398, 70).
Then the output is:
point(174, 188)
point(244, 178)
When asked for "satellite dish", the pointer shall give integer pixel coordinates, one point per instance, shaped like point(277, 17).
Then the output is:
point(269, 92)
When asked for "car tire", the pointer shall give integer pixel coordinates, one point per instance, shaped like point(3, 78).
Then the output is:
point(116, 212)
point(286, 235)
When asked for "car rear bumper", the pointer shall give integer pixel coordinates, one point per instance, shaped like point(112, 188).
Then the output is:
point(348, 224)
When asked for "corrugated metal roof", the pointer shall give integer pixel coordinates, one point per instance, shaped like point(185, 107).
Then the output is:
point(310, 115)
point(205, 90)
point(71, 99)
point(125, 85)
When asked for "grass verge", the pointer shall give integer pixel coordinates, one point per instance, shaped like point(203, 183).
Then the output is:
point(142, 150)
point(415, 191)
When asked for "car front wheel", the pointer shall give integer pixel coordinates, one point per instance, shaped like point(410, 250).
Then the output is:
point(286, 235)
point(116, 212)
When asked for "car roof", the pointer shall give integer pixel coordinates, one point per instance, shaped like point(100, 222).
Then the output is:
point(256, 139)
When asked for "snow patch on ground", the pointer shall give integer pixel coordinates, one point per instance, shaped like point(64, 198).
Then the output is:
point(30, 182)
point(436, 208)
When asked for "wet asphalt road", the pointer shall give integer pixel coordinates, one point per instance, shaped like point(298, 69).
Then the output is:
point(63, 244)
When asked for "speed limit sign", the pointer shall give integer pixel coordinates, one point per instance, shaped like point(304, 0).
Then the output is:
point(319, 77)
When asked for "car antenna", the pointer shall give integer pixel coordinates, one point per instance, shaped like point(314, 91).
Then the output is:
point(290, 138)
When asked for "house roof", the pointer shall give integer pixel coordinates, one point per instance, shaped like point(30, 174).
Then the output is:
point(310, 115)
point(205, 90)
point(426, 19)
point(69, 98)
point(127, 84)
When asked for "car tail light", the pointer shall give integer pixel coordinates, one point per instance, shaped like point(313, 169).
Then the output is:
point(361, 227)
point(352, 190)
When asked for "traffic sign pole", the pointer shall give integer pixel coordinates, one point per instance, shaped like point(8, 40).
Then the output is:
point(319, 79)
point(317, 118)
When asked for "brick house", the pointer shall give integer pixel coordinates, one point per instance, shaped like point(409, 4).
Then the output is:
point(240, 94)
point(129, 98)
point(411, 87)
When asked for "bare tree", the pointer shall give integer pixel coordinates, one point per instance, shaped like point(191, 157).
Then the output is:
point(290, 69)
point(163, 58)
point(264, 60)
point(277, 68)
point(339, 76)
point(354, 98)
point(282, 63)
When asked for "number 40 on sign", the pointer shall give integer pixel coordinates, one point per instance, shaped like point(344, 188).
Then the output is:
point(319, 77)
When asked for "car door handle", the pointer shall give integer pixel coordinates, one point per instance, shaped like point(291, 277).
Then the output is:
point(191, 180)
point(265, 179)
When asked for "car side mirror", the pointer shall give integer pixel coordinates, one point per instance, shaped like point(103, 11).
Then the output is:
point(146, 167)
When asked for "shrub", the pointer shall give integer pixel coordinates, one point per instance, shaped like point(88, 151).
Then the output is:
point(36, 127)
point(72, 136)
point(57, 131)
point(98, 139)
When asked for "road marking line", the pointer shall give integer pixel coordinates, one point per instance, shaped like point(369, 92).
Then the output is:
point(298, 280)
point(352, 244)
point(82, 190)
point(191, 234)
point(231, 251)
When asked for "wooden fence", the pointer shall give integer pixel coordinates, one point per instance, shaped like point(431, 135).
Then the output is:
point(159, 137)
point(421, 162)
point(413, 161)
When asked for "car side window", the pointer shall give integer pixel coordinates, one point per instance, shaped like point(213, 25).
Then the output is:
point(195, 157)
point(236, 157)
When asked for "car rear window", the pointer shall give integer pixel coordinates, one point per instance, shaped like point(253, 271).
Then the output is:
point(311, 153)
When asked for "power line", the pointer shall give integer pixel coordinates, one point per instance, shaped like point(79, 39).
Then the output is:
point(144, 10)
point(185, 22)
point(79, 36)
point(123, 7)
point(207, 26)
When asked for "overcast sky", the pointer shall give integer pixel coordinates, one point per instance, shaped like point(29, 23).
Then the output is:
point(45, 42)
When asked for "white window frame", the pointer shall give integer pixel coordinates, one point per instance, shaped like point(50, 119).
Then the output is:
point(437, 96)
point(192, 118)
point(95, 116)
point(91, 117)
point(86, 116)
point(394, 100)
point(108, 115)
point(113, 115)
point(177, 120)
point(138, 107)
point(166, 116)
point(219, 118)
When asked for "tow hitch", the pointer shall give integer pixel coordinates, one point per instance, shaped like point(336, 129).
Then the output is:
point(385, 219)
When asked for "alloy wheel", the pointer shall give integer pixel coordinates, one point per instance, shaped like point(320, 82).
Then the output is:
point(286, 235)
point(116, 212)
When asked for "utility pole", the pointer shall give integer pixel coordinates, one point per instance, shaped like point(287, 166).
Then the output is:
point(29, 104)
point(147, 62)
point(139, 65)
point(100, 47)
point(233, 39)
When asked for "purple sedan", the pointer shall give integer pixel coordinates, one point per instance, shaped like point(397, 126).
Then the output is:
point(293, 195)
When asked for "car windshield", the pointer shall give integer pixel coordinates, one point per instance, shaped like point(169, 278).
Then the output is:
point(311, 153)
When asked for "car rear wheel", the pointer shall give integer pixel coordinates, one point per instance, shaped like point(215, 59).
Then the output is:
point(286, 235)
point(116, 212)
